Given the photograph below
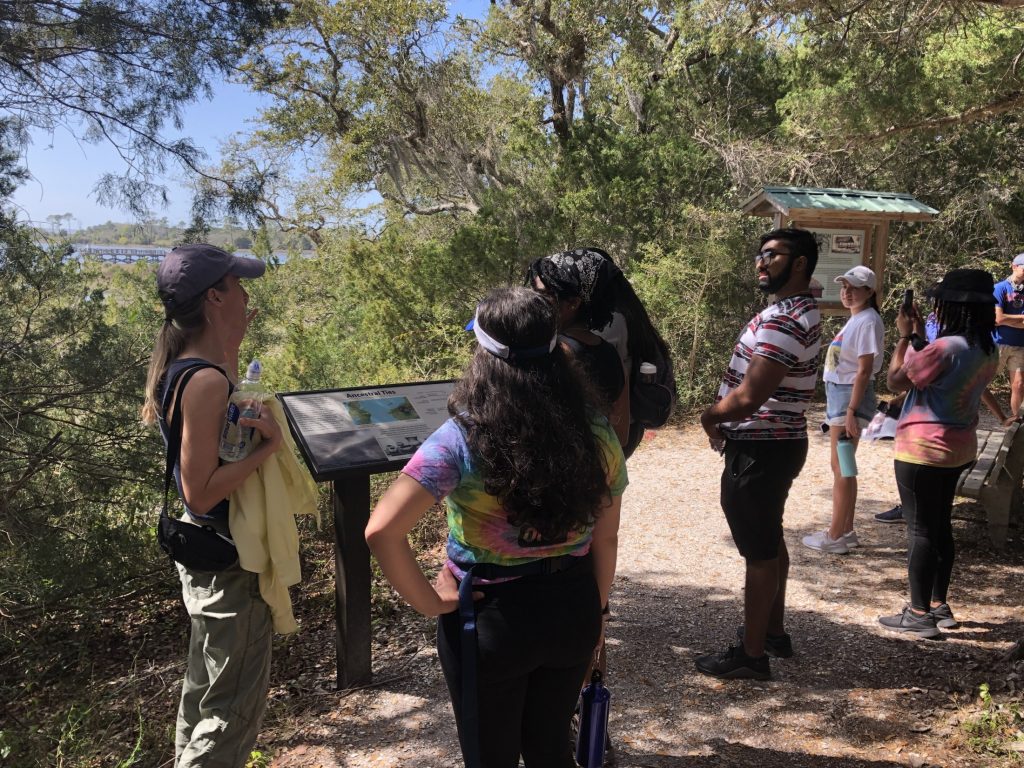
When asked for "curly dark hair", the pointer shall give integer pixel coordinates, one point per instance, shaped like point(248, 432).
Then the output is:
point(528, 422)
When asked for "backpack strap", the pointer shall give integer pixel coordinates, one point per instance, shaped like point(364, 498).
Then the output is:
point(574, 344)
point(175, 390)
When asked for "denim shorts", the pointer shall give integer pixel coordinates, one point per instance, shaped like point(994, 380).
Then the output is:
point(837, 399)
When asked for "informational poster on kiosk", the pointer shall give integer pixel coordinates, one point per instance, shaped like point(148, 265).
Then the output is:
point(838, 251)
point(367, 428)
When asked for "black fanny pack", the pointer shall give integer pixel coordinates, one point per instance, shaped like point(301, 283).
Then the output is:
point(197, 547)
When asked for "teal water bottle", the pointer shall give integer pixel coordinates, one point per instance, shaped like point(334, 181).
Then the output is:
point(846, 453)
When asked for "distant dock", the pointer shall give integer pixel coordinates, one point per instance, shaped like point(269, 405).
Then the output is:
point(120, 254)
point(130, 254)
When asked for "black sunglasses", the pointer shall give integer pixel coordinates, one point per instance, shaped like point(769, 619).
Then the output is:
point(769, 255)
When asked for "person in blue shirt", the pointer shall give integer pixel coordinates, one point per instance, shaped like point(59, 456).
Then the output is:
point(1009, 333)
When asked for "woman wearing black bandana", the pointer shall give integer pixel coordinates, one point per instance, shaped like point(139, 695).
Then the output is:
point(573, 280)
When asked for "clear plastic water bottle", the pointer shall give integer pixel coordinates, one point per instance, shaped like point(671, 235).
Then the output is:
point(237, 442)
point(648, 373)
point(846, 453)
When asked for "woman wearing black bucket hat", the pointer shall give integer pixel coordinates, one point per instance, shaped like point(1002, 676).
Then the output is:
point(936, 437)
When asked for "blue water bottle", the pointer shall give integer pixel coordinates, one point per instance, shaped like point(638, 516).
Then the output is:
point(593, 731)
point(846, 453)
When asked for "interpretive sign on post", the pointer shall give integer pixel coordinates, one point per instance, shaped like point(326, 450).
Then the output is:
point(839, 250)
point(346, 435)
point(365, 430)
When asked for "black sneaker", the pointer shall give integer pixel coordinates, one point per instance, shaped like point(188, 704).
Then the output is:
point(734, 664)
point(911, 623)
point(779, 646)
point(944, 617)
point(894, 515)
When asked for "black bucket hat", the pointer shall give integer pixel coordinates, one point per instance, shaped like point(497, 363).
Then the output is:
point(967, 286)
point(188, 270)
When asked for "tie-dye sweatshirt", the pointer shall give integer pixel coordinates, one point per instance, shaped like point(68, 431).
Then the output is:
point(938, 425)
point(478, 527)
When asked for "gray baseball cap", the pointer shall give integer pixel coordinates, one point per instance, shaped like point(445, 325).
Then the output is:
point(188, 270)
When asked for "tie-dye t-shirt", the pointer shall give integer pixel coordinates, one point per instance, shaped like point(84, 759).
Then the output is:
point(938, 425)
point(478, 527)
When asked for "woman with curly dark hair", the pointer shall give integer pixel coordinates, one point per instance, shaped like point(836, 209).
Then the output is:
point(532, 476)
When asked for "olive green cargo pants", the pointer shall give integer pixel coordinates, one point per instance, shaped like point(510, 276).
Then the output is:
point(225, 689)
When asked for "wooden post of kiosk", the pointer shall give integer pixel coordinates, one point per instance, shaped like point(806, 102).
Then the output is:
point(351, 505)
point(345, 436)
point(852, 227)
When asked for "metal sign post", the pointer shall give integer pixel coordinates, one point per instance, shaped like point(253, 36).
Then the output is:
point(346, 435)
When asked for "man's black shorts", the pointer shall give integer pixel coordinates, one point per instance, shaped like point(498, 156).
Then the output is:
point(755, 483)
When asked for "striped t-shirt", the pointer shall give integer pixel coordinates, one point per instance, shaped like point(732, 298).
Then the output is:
point(789, 332)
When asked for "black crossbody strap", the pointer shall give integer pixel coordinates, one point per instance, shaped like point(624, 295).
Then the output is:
point(175, 389)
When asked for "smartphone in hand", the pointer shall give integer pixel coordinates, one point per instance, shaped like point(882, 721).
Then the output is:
point(907, 307)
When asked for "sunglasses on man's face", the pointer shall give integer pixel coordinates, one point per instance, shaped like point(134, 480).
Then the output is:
point(768, 255)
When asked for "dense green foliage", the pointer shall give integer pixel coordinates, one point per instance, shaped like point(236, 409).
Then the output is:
point(429, 157)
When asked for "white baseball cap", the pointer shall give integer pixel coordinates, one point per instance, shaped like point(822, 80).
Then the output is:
point(858, 277)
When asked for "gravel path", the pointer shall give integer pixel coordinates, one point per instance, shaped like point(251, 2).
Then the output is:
point(851, 696)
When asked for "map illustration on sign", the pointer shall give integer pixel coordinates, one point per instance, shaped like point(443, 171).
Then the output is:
point(369, 429)
point(838, 251)
point(381, 410)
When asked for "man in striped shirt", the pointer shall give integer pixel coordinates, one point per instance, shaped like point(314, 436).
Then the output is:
point(758, 422)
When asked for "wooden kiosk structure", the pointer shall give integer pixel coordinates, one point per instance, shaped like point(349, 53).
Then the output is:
point(851, 226)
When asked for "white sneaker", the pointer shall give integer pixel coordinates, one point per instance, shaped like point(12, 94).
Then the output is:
point(822, 542)
point(851, 539)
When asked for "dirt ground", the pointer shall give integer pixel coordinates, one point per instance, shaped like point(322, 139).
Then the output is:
point(852, 696)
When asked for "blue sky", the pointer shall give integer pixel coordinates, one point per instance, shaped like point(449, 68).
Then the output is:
point(65, 170)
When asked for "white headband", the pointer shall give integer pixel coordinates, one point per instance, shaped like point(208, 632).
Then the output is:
point(503, 351)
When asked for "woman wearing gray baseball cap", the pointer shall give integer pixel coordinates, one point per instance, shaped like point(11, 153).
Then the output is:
point(191, 375)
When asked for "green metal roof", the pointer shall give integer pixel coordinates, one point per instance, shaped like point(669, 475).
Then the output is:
point(794, 201)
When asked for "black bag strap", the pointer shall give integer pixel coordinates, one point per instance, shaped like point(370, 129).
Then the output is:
point(574, 344)
point(175, 389)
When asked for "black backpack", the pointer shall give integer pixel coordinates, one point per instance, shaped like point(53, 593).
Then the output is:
point(651, 403)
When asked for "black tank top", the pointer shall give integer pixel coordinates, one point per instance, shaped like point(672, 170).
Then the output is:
point(220, 511)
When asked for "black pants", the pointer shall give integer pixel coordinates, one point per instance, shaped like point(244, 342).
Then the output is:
point(536, 636)
point(926, 494)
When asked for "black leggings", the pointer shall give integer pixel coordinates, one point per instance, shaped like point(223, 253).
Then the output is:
point(926, 494)
point(536, 636)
